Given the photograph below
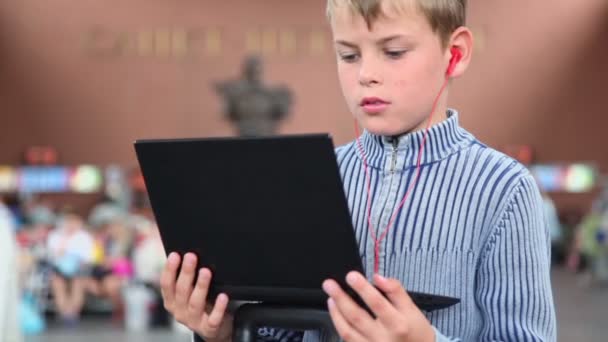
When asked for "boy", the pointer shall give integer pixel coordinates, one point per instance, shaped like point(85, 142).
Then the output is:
point(434, 210)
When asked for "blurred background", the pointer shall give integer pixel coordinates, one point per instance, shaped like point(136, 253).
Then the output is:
point(80, 80)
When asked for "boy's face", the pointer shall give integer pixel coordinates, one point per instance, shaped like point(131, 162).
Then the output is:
point(391, 75)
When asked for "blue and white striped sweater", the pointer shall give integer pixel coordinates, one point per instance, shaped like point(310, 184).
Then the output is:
point(472, 228)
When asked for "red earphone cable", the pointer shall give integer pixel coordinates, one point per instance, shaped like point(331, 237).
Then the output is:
point(377, 241)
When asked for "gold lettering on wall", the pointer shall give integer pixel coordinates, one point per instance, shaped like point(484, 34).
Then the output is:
point(213, 42)
point(101, 43)
point(144, 40)
point(317, 43)
point(179, 42)
point(287, 42)
point(479, 34)
point(269, 42)
point(253, 41)
point(184, 42)
point(162, 43)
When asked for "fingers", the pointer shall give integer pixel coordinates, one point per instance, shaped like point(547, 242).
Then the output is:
point(379, 305)
point(184, 285)
point(167, 281)
point(188, 303)
point(343, 327)
point(216, 317)
point(401, 302)
point(395, 292)
point(198, 298)
point(354, 315)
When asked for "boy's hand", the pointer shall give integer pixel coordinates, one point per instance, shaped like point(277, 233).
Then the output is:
point(188, 303)
point(397, 318)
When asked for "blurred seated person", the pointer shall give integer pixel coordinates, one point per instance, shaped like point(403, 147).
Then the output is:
point(149, 258)
point(592, 236)
point(112, 267)
point(40, 219)
point(105, 212)
point(39, 212)
point(70, 251)
point(555, 229)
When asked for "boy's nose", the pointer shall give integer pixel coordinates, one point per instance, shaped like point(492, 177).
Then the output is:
point(369, 74)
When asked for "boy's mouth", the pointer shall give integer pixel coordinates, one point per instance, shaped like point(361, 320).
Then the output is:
point(374, 105)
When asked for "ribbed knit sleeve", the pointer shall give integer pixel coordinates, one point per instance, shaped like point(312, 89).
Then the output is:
point(513, 284)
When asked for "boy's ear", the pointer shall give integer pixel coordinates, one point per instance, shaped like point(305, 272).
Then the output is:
point(459, 52)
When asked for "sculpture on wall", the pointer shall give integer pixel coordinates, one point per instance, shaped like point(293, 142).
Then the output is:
point(255, 108)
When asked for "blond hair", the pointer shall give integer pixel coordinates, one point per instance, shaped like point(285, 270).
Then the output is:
point(444, 16)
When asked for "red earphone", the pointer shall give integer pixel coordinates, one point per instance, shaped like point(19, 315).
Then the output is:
point(456, 57)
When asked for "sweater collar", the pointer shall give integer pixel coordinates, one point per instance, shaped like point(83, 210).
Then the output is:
point(398, 153)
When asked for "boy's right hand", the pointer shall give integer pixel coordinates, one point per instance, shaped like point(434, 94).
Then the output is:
point(188, 303)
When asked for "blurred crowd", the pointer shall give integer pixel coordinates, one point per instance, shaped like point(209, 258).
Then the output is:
point(580, 242)
point(66, 263)
point(587, 252)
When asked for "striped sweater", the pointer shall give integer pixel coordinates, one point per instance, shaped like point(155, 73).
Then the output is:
point(472, 228)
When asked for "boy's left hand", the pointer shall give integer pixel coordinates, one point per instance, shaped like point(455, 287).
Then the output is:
point(397, 318)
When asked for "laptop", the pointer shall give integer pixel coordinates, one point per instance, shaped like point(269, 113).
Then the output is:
point(268, 216)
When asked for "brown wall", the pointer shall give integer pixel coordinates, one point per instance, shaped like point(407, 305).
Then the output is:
point(82, 76)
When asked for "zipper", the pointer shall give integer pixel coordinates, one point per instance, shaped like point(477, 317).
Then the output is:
point(394, 156)
point(379, 228)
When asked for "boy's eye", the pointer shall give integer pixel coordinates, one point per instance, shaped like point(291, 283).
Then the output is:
point(349, 57)
point(394, 53)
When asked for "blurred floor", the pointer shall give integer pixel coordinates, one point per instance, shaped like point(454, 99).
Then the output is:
point(582, 311)
point(582, 317)
point(99, 330)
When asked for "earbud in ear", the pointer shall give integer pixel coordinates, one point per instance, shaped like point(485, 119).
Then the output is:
point(456, 57)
